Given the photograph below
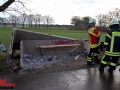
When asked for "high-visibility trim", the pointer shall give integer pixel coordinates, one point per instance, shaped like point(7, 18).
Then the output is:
point(112, 53)
point(95, 54)
point(92, 34)
point(92, 54)
point(105, 43)
point(108, 28)
point(116, 33)
point(98, 34)
point(108, 36)
point(112, 42)
point(91, 30)
point(103, 57)
point(89, 59)
point(94, 45)
point(103, 62)
point(113, 64)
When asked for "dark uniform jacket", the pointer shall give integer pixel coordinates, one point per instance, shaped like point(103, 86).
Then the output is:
point(112, 41)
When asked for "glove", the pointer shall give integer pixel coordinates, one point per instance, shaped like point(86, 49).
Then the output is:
point(97, 39)
point(104, 48)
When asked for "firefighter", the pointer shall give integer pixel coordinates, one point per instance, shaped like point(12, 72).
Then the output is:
point(108, 29)
point(112, 47)
point(93, 37)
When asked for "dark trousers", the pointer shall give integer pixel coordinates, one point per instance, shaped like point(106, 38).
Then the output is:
point(105, 59)
point(93, 52)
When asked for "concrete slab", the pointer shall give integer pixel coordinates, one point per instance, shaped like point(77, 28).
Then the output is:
point(87, 78)
point(19, 34)
point(32, 57)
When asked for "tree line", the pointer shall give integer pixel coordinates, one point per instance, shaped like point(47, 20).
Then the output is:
point(20, 17)
point(31, 20)
point(103, 20)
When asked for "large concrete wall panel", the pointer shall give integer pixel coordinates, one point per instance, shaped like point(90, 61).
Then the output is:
point(19, 34)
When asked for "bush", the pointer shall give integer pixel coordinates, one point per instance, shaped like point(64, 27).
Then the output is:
point(2, 60)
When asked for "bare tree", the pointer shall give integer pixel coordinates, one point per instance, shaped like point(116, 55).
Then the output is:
point(35, 20)
point(30, 20)
point(117, 13)
point(5, 21)
point(85, 21)
point(1, 20)
point(23, 18)
point(44, 20)
point(13, 19)
point(49, 20)
point(39, 19)
point(18, 8)
point(102, 19)
point(77, 22)
point(110, 15)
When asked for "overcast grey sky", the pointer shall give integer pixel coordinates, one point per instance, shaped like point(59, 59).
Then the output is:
point(63, 10)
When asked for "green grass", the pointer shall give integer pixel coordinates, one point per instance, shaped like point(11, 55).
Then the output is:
point(76, 34)
point(5, 33)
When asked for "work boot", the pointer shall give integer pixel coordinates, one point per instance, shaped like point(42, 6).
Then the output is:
point(110, 71)
point(101, 70)
point(90, 64)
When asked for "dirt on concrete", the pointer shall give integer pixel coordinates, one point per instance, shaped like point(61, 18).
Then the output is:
point(54, 67)
point(63, 66)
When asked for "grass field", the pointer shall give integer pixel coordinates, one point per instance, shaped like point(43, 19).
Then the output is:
point(5, 33)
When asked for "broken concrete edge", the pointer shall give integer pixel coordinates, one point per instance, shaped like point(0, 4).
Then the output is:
point(16, 29)
point(42, 33)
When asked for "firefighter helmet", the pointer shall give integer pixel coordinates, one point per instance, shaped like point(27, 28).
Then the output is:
point(114, 21)
point(92, 20)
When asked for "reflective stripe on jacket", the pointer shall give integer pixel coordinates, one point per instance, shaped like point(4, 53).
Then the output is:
point(108, 29)
point(93, 36)
point(112, 43)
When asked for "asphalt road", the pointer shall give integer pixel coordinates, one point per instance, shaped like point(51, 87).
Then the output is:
point(84, 79)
